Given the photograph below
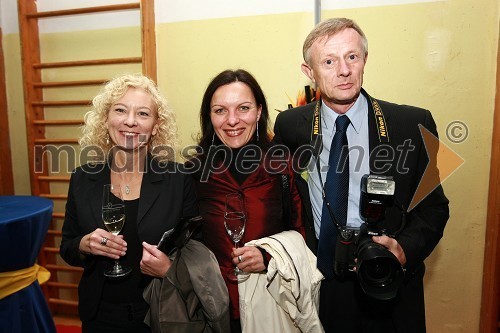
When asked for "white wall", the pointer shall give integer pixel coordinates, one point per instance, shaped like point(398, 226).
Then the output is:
point(172, 11)
point(8, 16)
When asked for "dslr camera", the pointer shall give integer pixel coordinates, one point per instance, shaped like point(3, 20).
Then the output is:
point(378, 270)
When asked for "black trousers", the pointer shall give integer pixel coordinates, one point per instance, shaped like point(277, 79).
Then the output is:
point(123, 318)
point(344, 307)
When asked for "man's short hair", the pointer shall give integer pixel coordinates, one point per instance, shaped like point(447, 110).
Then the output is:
point(329, 28)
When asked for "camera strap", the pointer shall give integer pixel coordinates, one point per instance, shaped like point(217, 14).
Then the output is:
point(316, 133)
point(383, 132)
point(317, 143)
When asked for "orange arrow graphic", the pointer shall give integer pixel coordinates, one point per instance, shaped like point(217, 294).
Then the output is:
point(443, 161)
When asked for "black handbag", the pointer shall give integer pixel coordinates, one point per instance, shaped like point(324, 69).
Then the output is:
point(177, 237)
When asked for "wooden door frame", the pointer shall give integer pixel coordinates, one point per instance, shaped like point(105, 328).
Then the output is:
point(6, 176)
point(489, 321)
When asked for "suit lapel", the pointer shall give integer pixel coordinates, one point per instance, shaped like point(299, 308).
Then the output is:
point(152, 183)
point(304, 125)
point(95, 193)
point(304, 133)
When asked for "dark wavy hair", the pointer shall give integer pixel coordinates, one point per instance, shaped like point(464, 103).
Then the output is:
point(226, 77)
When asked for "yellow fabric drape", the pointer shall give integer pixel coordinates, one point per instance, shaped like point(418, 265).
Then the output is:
point(11, 282)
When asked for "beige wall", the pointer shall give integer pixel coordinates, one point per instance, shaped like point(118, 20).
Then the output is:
point(436, 55)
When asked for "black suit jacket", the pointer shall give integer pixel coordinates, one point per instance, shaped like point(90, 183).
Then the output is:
point(419, 230)
point(166, 196)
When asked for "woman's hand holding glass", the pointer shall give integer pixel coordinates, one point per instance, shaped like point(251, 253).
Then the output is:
point(114, 247)
point(248, 259)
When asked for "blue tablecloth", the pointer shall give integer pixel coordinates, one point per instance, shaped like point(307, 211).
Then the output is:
point(24, 221)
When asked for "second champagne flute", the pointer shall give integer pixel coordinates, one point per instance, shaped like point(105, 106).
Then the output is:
point(234, 222)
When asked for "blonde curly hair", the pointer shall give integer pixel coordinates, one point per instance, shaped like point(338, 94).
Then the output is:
point(95, 132)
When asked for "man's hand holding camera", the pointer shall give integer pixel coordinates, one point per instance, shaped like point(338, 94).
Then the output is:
point(393, 246)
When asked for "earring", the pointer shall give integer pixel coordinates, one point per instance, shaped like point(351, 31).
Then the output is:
point(107, 139)
point(257, 132)
point(213, 139)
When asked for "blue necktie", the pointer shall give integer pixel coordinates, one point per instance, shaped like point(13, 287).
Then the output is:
point(337, 192)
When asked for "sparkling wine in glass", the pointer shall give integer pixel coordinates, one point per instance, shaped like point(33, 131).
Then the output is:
point(234, 222)
point(113, 216)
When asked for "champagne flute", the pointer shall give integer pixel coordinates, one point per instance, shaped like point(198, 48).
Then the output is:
point(113, 216)
point(234, 222)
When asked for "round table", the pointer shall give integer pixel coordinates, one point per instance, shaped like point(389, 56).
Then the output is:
point(24, 221)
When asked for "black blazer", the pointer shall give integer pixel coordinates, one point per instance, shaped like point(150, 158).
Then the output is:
point(404, 157)
point(166, 196)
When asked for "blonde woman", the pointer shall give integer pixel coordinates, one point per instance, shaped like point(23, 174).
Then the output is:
point(132, 133)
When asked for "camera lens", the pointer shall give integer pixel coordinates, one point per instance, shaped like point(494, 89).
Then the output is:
point(378, 272)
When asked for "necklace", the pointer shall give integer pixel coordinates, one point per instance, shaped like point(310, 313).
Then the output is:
point(127, 189)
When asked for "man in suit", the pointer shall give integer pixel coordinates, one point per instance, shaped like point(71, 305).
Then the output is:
point(382, 139)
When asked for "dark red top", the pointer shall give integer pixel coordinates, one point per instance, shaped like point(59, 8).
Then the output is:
point(262, 192)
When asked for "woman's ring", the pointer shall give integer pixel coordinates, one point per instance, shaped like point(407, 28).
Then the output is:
point(240, 259)
point(104, 241)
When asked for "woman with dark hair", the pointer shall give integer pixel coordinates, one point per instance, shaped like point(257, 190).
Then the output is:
point(236, 156)
point(239, 78)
